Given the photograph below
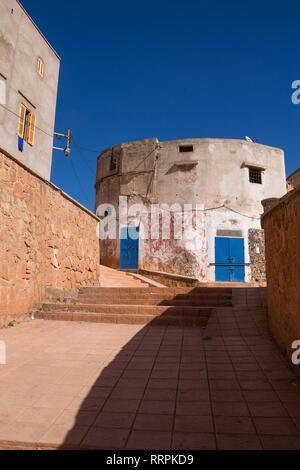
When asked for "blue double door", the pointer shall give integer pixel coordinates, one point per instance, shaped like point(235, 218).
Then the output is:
point(230, 259)
point(129, 249)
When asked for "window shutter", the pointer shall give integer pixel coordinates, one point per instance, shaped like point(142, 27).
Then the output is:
point(21, 125)
point(31, 129)
point(40, 67)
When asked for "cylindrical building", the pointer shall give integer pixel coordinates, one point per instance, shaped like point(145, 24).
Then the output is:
point(211, 188)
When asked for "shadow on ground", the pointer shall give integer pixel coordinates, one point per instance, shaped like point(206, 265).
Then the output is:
point(183, 387)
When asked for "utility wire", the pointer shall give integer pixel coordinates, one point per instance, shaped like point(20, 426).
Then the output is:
point(83, 157)
point(98, 151)
point(47, 133)
point(87, 150)
point(36, 127)
point(244, 215)
point(78, 179)
point(229, 208)
point(216, 208)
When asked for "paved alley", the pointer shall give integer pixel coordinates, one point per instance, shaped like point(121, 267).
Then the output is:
point(87, 385)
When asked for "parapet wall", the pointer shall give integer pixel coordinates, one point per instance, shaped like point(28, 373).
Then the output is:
point(46, 240)
point(282, 234)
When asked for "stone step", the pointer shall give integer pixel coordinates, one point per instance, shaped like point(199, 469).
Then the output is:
point(112, 278)
point(188, 301)
point(173, 291)
point(128, 294)
point(128, 309)
point(166, 320)
point(113, 284)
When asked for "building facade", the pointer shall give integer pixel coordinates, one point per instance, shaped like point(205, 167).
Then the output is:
point(29, 71)
point(210, 188)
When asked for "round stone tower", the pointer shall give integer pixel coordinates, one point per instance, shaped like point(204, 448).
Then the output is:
point(210, 188)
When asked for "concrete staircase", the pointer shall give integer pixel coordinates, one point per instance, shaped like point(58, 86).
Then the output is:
point(140, 305)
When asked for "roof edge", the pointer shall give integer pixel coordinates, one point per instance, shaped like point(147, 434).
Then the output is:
point(216, 140)
point(37, 28)
point(293, 174)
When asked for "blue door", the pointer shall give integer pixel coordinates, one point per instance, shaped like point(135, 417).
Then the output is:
point(129, 256)
point(230, 259)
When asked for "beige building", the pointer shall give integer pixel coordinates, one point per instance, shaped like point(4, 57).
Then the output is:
point(224, 180)
point(29, 71)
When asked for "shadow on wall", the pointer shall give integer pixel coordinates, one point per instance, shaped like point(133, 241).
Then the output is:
point(159, 372)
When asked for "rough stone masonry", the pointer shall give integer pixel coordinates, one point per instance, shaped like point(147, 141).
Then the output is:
point(281, 223)
point(46, 240)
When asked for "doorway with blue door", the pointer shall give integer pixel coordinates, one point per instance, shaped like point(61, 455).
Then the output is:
point(129, 248)
point(229, 259)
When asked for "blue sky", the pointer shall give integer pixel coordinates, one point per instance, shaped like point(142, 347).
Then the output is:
point(170, 69)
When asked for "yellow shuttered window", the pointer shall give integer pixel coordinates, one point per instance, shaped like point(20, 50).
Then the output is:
point(22, 118)
point(26, 126)
point(40, 67)
point(31, 129)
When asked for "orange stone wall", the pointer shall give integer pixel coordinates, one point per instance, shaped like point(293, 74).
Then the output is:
point(282, 238)
point(46, 240)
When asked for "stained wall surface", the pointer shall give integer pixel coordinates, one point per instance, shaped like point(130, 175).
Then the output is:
point(207, 177)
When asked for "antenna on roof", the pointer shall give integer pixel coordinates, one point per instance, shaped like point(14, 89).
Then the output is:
point(248, 139)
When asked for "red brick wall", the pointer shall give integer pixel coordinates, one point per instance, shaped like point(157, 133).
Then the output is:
point(46, 240)
point(282, 238)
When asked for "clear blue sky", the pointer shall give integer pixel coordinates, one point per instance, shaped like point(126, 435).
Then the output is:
point(170, 69)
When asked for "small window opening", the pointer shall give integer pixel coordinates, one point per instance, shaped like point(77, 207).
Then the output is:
point(186, 148)
point(113, 161)
point(40, 67)
point(255, 175)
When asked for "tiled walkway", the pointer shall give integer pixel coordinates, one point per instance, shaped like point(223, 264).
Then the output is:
point(123, 386)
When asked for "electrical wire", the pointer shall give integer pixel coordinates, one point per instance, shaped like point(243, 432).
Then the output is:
point(88, 150)
point(50, 135)
point(230, 209)
point(35, 126)
point(83, 157)
point(78, 179)
point(216, 208)
point(98, 151)
point(244, 215)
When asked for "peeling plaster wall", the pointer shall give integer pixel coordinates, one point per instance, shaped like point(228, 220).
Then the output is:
point(187, 256)
point(214, 177)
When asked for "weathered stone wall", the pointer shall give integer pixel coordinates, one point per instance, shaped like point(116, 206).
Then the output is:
point(256, 241)
point(282, 233)
point(46, 240)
